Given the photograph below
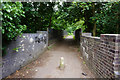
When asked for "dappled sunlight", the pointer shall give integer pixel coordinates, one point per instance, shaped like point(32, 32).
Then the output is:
point(60, 39)
point(69, 37)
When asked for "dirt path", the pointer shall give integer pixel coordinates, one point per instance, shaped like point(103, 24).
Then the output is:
point(46, 66)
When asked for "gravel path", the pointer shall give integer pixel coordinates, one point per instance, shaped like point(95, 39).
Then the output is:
point(47, 65)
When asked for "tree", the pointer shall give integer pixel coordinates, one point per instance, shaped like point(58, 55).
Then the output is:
point(38, 15)
point(108, 18)
point(11, 20)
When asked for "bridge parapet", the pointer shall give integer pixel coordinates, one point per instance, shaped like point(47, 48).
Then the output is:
point(102, 54)
point(23, 50)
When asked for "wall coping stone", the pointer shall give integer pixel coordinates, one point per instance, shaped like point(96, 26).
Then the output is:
point(111, 34)
point(86, 34)
point(103, 55)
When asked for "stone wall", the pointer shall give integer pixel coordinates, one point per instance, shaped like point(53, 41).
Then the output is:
point(77, 35)
point(55, 35)
point(24, 50)
point(86, 34)
point(102, 54)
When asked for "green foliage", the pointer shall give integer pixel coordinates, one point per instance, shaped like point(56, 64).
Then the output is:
point(4, 50)
point(16, 49)
point(79, 24)
point(38, 15)
point(30, 17)
point(49, 47)
point(108, 18)
point(78, 50)
point(61, 16)
point(12, 12)
point(68, 15)
point(11, 20)
point(73, 37)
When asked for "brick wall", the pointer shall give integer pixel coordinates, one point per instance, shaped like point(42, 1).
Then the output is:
point(102, 54)
point(0, 55)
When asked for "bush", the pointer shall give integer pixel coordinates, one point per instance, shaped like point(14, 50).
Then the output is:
point(12, 12)
point(11, 20)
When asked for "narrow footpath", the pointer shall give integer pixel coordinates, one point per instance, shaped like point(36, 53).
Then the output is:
point(47, 65)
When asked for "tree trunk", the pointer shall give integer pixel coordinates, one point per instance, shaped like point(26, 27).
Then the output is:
point(50, 21)
point(94, 27)
point(86, 21)
point(117, 29)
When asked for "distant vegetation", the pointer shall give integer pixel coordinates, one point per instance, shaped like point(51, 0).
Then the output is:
point(96, 17)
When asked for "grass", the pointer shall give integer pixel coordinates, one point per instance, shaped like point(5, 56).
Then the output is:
point(64, 37)
point(78, 49)
point(50, 46)
point(73, 37)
